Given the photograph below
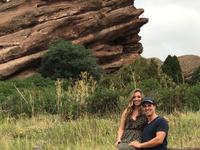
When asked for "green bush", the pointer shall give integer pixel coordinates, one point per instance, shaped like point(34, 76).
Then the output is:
point(29, 96)
point(123, 81)
point(130, 76)
point(102, 101)
point(140, 70)
point(191, 98)
point(72, 101)
point(174, 98)
point(150, 87)
point(195, 77)
point(152, 70)
point(165, 100)
point(36, 80)
point(66, 60)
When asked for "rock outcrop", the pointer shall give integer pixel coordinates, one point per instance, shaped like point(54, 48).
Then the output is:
point(109, 27)
point(189, 64)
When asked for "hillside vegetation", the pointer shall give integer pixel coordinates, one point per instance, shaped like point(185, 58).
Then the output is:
point(82, 112)
point(75, 96)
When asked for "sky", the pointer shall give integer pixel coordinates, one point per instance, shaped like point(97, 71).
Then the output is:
point(173, 28)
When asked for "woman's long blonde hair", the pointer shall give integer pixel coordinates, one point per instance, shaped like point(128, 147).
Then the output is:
point(131, 105)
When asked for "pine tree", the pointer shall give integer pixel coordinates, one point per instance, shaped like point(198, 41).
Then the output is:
point(172, 68)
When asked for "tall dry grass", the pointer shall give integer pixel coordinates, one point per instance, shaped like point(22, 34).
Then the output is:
point(87, 133)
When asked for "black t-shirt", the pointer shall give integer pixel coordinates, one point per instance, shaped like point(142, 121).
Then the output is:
point(149, 132)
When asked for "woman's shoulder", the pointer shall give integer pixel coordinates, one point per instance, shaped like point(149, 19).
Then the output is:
point(125, 111)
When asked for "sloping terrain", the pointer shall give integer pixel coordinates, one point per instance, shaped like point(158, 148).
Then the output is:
point(189, 63)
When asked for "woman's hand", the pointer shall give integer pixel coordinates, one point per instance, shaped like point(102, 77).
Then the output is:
point(117, 142)
point(136, 144)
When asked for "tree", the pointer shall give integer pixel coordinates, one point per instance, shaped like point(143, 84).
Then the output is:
point(139, 67)
point(152, 69)
point(172, 68)
point(66, 60)
point(195, 76)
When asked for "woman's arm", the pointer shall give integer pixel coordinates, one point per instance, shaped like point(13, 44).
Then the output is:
point(121, 127)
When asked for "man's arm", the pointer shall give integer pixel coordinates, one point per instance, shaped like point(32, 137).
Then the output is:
point(160, 136)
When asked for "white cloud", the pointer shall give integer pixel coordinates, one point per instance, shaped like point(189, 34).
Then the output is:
point(173, 27)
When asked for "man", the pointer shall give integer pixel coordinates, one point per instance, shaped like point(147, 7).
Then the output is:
point(154, 136)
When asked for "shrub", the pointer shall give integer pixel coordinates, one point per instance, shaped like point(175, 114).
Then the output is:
point(36, 80)
point(166, 99)
point(172, 98)
point(103, 100)
point(29, 96)
point(152, 70)
point(150, 87)
point(191, 98)
point(140, 70)
point(72, 101)
point(66, 60)
point(195, 77)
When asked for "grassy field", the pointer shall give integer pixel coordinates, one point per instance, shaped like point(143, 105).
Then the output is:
point(88, 133)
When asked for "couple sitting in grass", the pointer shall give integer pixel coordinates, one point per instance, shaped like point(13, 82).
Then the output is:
point(140, 126)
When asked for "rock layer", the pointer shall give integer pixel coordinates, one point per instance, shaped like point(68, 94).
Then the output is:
point(109, 27)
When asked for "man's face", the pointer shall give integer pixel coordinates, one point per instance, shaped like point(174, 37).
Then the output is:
point(149, 109)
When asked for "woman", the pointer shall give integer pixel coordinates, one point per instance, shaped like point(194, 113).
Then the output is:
point(132, 122)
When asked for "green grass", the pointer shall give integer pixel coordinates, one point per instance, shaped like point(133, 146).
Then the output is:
point(184, 130)
point(86, 133)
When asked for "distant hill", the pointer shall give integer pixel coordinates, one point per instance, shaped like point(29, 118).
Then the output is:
point(189, 63)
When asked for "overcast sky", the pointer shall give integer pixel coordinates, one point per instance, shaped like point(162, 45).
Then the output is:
point(173, 27)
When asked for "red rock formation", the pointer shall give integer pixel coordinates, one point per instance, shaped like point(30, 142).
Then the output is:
point(109, 27)
point(189, 64)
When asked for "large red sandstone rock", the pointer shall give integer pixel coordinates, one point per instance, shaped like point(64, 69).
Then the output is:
point(109, 27)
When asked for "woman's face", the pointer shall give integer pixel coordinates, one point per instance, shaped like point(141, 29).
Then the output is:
point(137, 98)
